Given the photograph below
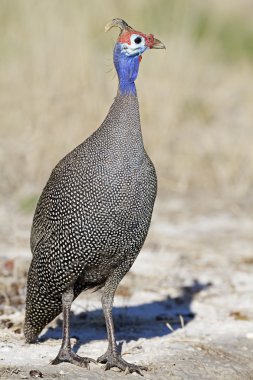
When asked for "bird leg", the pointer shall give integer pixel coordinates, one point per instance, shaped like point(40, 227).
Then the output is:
point(66, 354)
point(112, 357)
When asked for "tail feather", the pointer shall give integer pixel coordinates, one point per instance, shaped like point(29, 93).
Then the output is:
point(41, 308)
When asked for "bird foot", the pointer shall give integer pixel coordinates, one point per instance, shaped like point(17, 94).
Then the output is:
point(111, 361)
point(68, 356)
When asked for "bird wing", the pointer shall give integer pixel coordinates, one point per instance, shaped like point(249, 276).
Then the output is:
point(58, 254)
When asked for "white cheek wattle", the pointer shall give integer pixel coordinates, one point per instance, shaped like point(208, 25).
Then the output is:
point(133, 48)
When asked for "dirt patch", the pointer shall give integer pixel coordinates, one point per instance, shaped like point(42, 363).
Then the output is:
point(184, 309)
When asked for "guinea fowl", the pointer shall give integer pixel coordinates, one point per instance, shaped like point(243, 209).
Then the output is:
point(94, 213)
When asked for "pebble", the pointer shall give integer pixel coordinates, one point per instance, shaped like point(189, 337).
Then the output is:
point(35, 373)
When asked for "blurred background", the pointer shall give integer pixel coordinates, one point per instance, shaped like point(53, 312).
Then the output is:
point(57, 83)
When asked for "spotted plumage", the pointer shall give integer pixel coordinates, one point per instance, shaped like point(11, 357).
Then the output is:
point(94, 213)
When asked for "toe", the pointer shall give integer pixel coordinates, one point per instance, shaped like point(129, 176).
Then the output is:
point(55, 361)
point(102, 359)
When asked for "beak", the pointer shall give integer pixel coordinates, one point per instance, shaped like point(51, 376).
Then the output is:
point(158, 44)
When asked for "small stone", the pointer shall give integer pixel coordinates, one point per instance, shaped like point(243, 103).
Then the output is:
point(35, 373)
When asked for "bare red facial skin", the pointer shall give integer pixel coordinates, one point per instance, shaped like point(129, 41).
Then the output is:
point(126, 35)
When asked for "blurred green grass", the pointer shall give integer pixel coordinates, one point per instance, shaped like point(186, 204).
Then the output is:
point(195, 98)
point(28, 203)
point(233, 35)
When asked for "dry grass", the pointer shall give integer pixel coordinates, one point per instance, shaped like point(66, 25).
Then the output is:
point(196, 98)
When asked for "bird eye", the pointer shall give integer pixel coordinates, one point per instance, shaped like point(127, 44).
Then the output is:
point(137, 40)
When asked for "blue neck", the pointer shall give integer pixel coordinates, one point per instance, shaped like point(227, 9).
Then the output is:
point(127, 69)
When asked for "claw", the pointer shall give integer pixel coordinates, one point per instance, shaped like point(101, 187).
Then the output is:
point(139, 372)
point(127, 371)
point(106, 367)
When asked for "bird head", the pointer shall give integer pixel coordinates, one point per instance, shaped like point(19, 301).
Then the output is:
point(128, 51)
point(131, 41)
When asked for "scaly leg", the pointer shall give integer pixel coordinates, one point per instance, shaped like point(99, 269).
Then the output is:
point(66, 354)
point(112, 358)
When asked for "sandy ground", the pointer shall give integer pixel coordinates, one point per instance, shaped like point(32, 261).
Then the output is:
point(185, 309)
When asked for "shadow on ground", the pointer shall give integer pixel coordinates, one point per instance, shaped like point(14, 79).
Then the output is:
point(146, 320)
